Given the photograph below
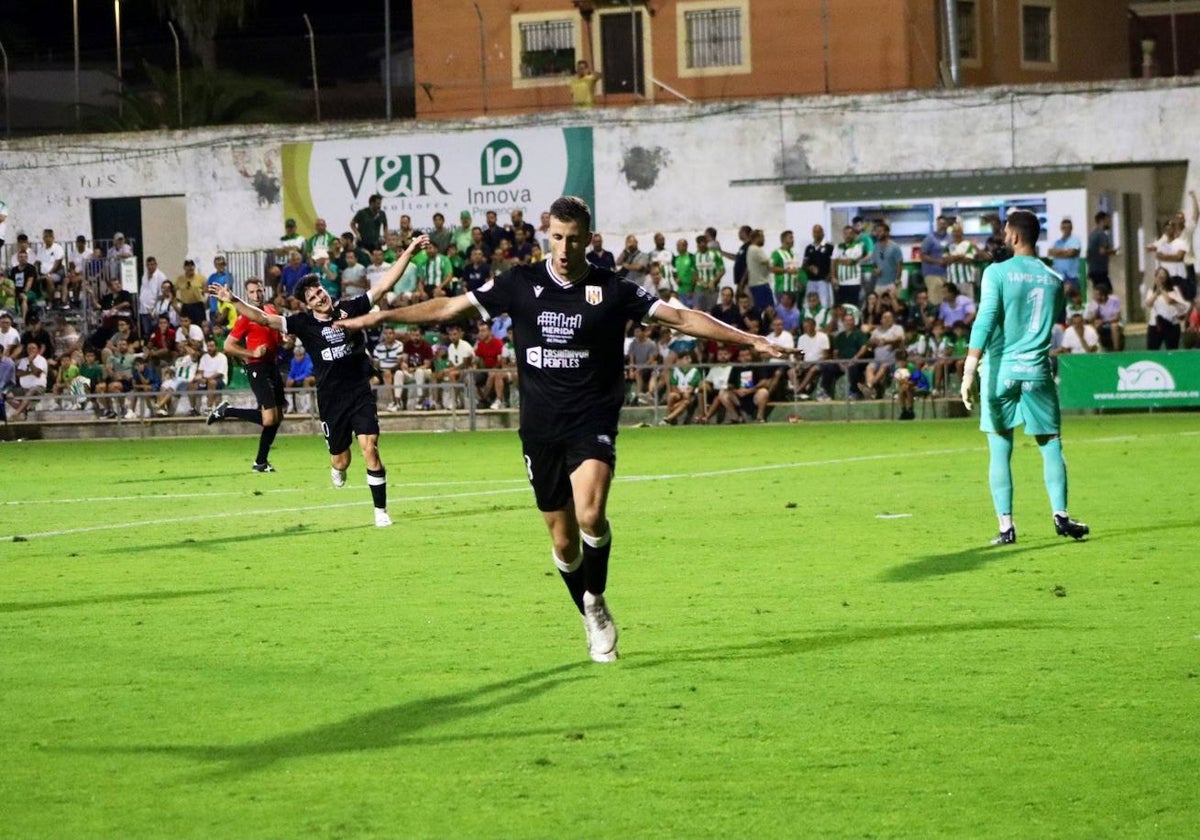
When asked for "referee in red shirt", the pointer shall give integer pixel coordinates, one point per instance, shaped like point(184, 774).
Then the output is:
point(258, 348)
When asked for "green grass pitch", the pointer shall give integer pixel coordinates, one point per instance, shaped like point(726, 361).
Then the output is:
point(816, 641)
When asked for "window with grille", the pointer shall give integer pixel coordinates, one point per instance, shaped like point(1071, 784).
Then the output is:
point(714, 38)
point(1037, 34)
point(547, 48)
point(968, 44)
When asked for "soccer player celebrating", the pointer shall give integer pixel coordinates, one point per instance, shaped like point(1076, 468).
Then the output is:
point(345, 401)
point(1012, 335)
point(258, 348)
point(569, 321)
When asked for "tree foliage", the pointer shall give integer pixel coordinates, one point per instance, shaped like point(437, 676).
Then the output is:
point(199, 20)
point(209, 98)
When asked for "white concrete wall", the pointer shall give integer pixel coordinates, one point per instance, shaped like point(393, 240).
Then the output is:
point(669, 168)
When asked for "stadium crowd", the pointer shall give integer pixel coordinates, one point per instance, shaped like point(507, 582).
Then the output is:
point(869, 322)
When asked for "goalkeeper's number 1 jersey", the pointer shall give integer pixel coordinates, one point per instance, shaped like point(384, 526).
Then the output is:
point(1015, 320)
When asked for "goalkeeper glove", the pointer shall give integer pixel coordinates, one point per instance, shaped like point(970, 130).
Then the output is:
point(968, 379)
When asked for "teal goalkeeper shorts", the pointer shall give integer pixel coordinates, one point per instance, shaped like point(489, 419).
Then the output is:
point(1012, 402)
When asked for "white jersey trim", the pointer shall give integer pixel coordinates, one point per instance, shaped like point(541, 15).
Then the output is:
point(479, 307)
point(565, 284)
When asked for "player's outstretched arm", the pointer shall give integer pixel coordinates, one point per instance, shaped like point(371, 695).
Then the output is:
point(703, 325)
point(433, 311)
point(226, 295)
point(388, 279)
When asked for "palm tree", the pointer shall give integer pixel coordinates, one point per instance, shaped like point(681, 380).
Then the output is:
point(199, 20)
point(219, 98)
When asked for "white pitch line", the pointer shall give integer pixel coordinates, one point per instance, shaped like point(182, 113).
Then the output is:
point(219, 493)
point(628, 478)
point(623, 479)
point(793, 465)
point(208, 517)
point(142, 498)
point(495, 481)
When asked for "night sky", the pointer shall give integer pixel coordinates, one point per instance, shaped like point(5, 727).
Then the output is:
point(272, 42)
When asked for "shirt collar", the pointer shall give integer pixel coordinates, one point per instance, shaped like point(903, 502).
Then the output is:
point(561, 281)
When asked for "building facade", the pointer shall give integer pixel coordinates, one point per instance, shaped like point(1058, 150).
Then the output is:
point(490, 58)
point(1163, 37)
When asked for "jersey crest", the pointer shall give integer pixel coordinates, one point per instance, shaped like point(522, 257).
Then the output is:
point(593, 294)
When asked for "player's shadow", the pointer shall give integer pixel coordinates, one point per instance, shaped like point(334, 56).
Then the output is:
point(241, 538)
point(1156, 528)
point(168, 477)
point(968, 560)
point(235, 538)
point(954, 562)
point(381, 729)
point(485, 510)
point(794, 645)
point(125, 598)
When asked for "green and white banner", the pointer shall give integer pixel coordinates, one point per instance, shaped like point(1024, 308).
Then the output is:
point(1129, 380)
point(423, 174)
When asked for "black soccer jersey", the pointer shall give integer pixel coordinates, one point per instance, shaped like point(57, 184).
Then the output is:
point(339, 358)
point(570, 345)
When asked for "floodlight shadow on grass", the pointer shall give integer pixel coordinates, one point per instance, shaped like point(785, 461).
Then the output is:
point(381, 729)
point(126, 598)
point(794, 645)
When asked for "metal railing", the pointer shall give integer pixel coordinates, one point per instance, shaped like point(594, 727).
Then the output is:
point(843, 374)
point(454, 399)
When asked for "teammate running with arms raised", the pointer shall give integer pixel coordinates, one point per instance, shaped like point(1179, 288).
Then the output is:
point(345, 400)
point(257, 347)
point(1012, 330)
point(569, 322)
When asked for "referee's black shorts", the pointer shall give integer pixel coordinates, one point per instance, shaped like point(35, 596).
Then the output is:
point(344, 415)
point(266, 383)
point(549, 464)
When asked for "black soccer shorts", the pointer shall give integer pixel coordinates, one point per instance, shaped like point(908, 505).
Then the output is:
point(550, 464)
point(266, 383)
point(345, 415)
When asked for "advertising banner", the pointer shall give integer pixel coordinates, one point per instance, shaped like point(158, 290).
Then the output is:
point(422, 174)
point(1129, 380)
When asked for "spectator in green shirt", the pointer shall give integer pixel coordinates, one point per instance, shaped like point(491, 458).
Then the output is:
point(321, 239)
point(785, 266)
point(921, 313)
point(850, 349)
point(710, 269)
point(463, 237)
point(685, 273)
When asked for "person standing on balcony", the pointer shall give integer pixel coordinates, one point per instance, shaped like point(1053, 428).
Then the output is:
point(583, 85)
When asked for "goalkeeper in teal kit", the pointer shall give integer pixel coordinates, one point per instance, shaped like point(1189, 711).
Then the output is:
point(1012, 330)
